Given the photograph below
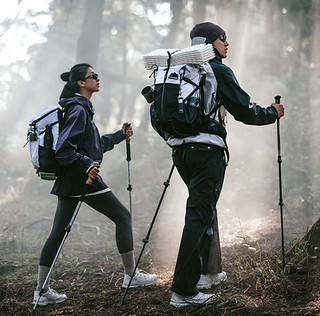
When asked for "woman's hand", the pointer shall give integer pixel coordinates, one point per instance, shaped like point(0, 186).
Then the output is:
point(127, 129)
point(94, 171)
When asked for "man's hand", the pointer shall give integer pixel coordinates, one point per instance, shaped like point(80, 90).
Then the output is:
point(279, 108)
point(127, 129)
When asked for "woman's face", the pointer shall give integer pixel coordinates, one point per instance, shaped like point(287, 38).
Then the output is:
point(91, 81)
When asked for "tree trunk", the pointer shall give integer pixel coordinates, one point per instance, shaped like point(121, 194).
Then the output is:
point(170, 41)
point(310, 242)
point(315, 95)
point(88, 43)
point(199, 11)
point(177, 10)
point(124, 100)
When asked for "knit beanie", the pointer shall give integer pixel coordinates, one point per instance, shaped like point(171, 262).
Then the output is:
point(208, 31)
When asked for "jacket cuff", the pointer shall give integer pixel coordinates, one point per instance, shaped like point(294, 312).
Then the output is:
point(83, 164)
point(90, 167)
point(118, 137)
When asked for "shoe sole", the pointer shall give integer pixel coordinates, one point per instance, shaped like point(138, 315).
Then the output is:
point(185, 303)
point(137, 285)
point(49, 303)
point(208, 286)
point(178, 305)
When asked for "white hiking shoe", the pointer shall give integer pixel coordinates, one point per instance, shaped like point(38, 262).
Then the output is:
point(140, 278)
point(200, 298)
point(49, 297)
point(208, 280)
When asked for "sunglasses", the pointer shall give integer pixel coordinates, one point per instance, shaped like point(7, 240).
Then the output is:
point(93, 76)
point(223, 37)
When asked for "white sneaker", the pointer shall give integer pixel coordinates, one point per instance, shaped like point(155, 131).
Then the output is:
point(140, 278)
point(49, 297)
point(200, 298)
point(208, 280)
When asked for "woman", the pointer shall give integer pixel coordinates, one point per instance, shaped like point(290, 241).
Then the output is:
point(79, 152)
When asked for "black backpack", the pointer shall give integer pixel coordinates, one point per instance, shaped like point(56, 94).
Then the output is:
point(177, 108)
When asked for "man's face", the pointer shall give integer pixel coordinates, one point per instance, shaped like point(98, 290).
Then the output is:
point(221, 45)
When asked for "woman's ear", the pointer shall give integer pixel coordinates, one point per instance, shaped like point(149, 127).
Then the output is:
point(81, 83)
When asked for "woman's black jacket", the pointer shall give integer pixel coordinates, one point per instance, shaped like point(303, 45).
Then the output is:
point(78, 146)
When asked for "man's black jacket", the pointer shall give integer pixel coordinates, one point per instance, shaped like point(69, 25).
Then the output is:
point(237, 101)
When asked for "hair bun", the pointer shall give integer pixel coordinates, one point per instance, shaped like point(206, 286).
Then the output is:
point(65, 76)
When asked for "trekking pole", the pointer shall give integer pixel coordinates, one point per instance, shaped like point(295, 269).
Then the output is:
point(67, 229)
point(277, 100)
point(146, 239)
point(129, 188)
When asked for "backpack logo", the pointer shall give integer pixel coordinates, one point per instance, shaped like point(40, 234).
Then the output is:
point(174, 76)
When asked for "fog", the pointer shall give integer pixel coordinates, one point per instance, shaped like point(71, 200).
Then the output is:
point(273, 51)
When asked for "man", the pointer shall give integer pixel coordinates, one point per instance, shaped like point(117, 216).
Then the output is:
point(201, 163)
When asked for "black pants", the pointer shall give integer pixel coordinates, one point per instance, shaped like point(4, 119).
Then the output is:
point(105, 203)
point(202, 168)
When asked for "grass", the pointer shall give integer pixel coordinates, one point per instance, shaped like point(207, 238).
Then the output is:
point(256, 285)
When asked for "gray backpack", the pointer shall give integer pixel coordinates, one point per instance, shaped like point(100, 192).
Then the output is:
point(42, 136)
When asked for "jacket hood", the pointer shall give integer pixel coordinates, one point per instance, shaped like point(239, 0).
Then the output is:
point(77, 99)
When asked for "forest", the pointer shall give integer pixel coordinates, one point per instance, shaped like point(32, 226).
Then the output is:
point(273, 50)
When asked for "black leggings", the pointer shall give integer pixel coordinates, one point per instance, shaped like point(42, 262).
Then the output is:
point(105, 203)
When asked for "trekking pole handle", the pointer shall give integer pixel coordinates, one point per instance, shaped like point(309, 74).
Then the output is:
point(125, 132)
point(128, 142)
point(128, 151)
point(277, 99)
